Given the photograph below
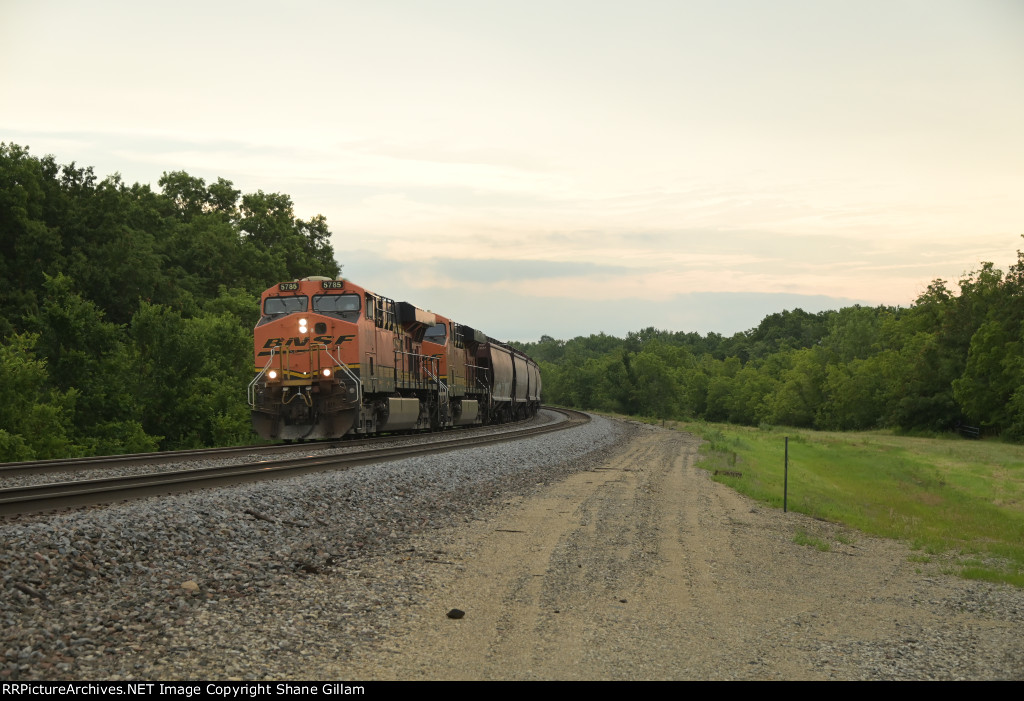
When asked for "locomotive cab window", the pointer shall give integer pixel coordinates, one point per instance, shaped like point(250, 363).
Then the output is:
point(436, 334)
point(339, 306)
point(275, 306)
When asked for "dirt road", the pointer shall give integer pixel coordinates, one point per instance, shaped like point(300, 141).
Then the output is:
point(644, 568)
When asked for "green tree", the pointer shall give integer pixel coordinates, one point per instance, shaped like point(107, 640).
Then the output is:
point(191, 375)
point(87, 355)
point(797, 397)
point(984, 390)
point(33, 417)
point(855, 394)
point(109, 231)
point(655, 389)
point(282, 246)
point(29, 246)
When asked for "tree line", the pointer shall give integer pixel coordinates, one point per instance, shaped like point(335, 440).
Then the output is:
point(126, 314)
point(954, 358)
point(126, 320)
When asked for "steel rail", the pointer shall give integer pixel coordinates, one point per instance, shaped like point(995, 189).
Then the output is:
point(47, 497)
point(11, 469)
point(35, 467)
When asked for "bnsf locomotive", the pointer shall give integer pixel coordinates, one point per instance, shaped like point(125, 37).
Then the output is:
point(333, 359)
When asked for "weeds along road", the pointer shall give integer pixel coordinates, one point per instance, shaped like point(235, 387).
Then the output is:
point(644, 568)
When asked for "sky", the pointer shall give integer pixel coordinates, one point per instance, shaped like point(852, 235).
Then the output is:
point(565, 167)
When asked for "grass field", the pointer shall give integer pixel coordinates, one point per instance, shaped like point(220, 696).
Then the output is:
point(943, 496)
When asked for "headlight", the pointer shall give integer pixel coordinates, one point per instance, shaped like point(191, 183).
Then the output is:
point(302, 326)
point(327, 372)
point(272, 374)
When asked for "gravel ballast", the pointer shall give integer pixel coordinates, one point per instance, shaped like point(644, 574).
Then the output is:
point(132, 590)
point(600, 552)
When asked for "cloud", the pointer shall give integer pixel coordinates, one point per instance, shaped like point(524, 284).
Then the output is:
point(519, 271)
point(521, 300)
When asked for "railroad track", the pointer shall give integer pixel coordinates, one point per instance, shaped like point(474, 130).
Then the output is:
point(60, 495)
point(106, 462)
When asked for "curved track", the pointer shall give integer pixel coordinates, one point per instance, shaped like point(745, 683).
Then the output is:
point(46, 497)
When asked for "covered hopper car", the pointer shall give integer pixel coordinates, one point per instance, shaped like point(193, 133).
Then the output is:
point(334, 359)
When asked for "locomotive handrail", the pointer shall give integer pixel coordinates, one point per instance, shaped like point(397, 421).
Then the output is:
point(443, 397)
point(348, 371)
point(440, 385)
point(251, 392)
point(442, 388)
point(414, 377)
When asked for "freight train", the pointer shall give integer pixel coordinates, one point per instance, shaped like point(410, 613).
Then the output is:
point(334, 359)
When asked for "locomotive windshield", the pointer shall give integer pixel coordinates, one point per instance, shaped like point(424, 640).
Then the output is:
point(436, 334)
point(285, 305)
point(341, 306)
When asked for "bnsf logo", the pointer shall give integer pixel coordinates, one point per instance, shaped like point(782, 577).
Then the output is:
point(302, 341)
